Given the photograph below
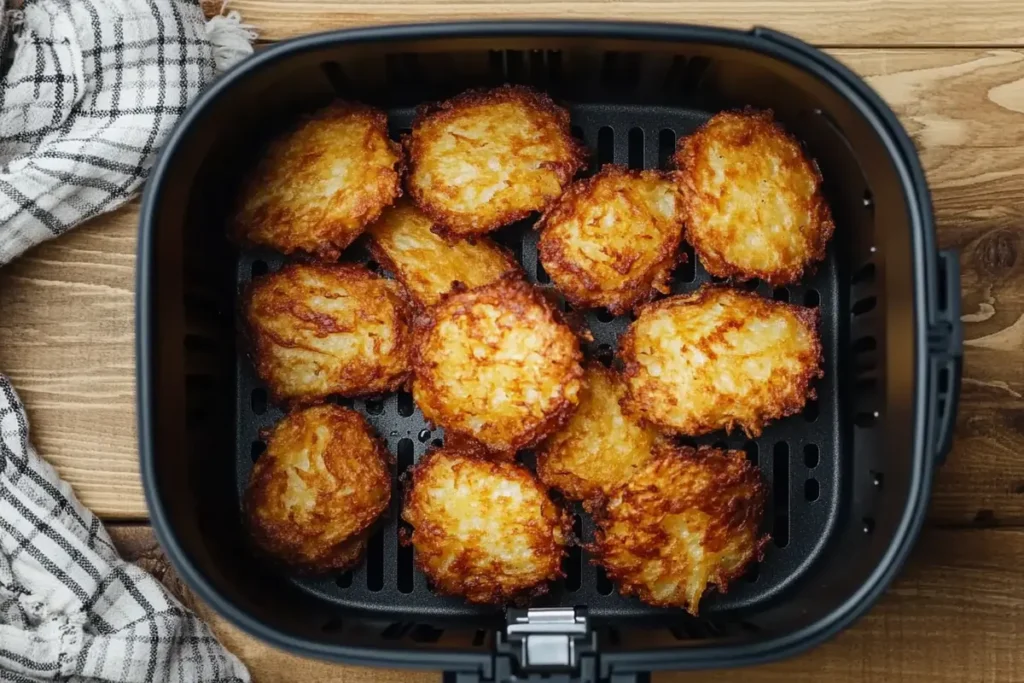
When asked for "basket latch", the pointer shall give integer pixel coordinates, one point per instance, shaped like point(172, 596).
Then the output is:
point(548, 640)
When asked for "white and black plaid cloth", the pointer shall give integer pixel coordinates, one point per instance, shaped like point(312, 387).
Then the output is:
point(70, 608)
point(88, 91)
point(93, 89)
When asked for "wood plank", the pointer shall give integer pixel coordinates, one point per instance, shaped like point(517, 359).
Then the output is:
point(828, 22)
point(966, 578)
point(67, 315)
point(66, 319)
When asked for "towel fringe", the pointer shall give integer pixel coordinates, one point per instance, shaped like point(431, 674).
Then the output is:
point(230, 39)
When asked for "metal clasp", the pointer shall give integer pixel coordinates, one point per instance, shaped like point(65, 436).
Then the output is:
point(548, 637)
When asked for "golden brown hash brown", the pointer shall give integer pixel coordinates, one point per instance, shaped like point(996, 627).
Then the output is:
point(600, 446)
point(687, 518)
point(612, 240)
point(487, 158)
point(322, 183)
point(484, 529)
point(322, 482)
point(496, 364)
point(428, 265)
point(322, 329)
point(753, 200)
point(720, 358)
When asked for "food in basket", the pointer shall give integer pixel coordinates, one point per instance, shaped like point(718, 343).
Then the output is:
point(318, 186)
point(496, 364)
point(599, 447)
point(612, 240)
point(754, 207)
point(322, 482)
point(484, 529)
point(322, 329)
point(687, 519)
point(720, 358)
point(428, 265)
point(487, 158)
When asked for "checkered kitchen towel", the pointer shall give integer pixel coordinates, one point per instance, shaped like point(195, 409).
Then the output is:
point(93, 89)
point(88, 90)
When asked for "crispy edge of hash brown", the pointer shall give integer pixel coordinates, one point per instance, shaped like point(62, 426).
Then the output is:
point(405, 270)
point(552, 531)
point(640, 403)
point(758, 126)
point(630, 531)
point(516, 296)
point(583, 288)
point(453, 225)
point(261, 342)
point(327, 235)
point(352, 450)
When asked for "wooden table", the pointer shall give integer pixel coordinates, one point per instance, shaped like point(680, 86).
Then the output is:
point(954, 73)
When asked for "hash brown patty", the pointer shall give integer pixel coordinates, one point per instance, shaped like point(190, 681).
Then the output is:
point(323, 480)
point(322, 329)
point(753, 199)
point(599, 447)
point(319, 185)
point(686, 519)
point(487, 158)
point(484, 529)
point(612, 240)
point(430, 266)
point(719, 358)
point(496, 364)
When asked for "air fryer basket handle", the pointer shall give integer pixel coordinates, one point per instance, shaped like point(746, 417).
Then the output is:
point(946, 353)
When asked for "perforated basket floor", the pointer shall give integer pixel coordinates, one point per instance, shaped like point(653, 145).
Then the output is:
point(798, 456)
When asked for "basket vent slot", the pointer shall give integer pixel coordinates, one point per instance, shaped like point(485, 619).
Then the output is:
point(666, 148)
point(572, 565)
point(811, 456)
point(864, 305)
point(810, 411)
point(605, 146)
point(405, 403)
point(750, 448)
point(345, 580)
point(405, 578)
point(375, 561)
point(864, 274)
point(811, 490)
point(636, 148)
point(256, 450)
point(604, 584)
point(780, 294)
point(685, 75)
point(620, 70)
point(780, 493)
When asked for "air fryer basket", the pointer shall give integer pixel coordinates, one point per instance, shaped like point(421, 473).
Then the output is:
point(850, 477)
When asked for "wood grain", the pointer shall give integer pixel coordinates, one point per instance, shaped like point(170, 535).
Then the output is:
point(827, 22)
point(66, 341)
point(66, 307)
point(969, 578)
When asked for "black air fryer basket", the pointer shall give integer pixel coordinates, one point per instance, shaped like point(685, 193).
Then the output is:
point(850, 477)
